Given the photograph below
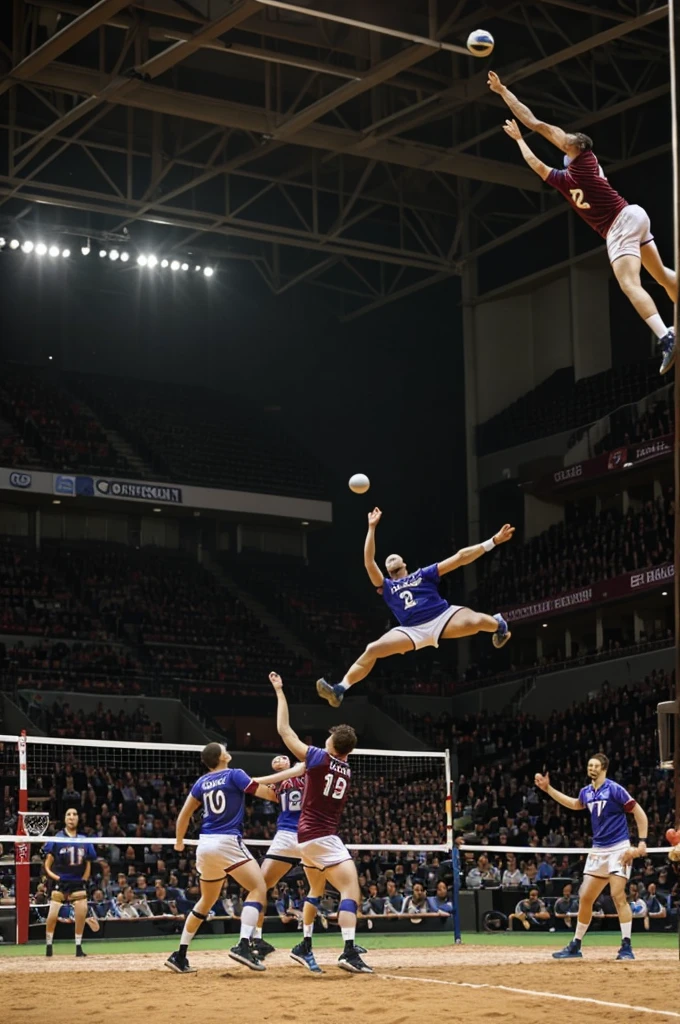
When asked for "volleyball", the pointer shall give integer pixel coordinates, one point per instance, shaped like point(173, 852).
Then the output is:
point(480, 43)
point(359, 483)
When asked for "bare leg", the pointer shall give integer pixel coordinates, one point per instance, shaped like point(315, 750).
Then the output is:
point(272, 872)
point(394, 642)
point(667, 278)
point(617, 887)
point(627, 273)
point(588, 893)
point(52, 915)
point(80, 911)
point(467, 623)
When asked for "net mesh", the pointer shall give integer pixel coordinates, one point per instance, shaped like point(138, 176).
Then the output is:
point(35, 823)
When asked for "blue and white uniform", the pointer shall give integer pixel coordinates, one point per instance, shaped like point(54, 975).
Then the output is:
point(418, 607)
point(220, 846)
point(608, 808)
point(285, 843)
point(69, 861)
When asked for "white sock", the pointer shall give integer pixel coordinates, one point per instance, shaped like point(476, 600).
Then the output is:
point(249, 918)
point(626, 929)
point(48, 939)
point(187, 936)
point(348, 934)
point(343, 685)
point(307, 930)
point(257, 933)
point(79, 939)
point(656, 324)
point(581, 929)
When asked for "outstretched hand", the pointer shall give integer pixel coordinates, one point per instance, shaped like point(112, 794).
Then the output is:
point(511, 128)
point(374, 517)
point(504, 534)
point(276, 680)
point(542, 781)
point(494, 82)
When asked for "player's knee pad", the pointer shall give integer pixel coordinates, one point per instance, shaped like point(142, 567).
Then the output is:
point(56, 896)
point(253, 903)
point(314, 900)
point(77, 897)
point(201, 917)
point(349, 905)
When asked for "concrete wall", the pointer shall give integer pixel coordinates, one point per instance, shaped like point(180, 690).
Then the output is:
point(539, 516)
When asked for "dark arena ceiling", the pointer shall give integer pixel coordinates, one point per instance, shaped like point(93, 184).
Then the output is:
point(352, 144)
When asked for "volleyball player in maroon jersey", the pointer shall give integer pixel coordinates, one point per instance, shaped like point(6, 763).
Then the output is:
point(328, 778)
point(625, 227)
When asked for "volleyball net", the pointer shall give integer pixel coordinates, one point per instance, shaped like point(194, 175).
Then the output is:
point(128, 795)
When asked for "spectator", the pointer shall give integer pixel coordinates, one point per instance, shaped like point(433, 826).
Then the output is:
point(441, 903)
point(655, 908)
point(483, 873)
point(512, 876)
point(416, 904)
point(566, 906)
point(531, 911)
point(394, 901)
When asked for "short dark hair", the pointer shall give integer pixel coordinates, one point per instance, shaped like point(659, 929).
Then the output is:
point(344, 738)
point(602, 758)
point(581, 140)
point(211, 754)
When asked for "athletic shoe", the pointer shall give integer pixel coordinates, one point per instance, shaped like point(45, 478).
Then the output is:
point(668, 349)
point(351, 961)
point(305, 957)
point(360, 949)
point(48, 951)
point(570, 952)
point(80, 951)
point(502, 634)
point(626, 951)
point(261, 948)
point(179, 964)
point(329, 692)
point(244, 955)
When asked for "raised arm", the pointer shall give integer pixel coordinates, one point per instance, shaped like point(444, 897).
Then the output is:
point(283, 727)
point(290, 773)
point(572, 802)
point(551, 132)
point(537, 166)
point(372, 568)
point(475, 551)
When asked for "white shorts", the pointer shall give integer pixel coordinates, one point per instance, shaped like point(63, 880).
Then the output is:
point(324, 853)
point(606, 860)
point(629, 232)
point(427, 634)
point(284, 846)
point(216, 856)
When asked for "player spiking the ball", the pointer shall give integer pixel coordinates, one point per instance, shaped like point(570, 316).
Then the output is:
point(626, 228)
point(328, 780)
point(424, 617)
point(610, 860)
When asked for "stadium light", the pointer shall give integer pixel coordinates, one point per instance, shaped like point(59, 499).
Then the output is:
point(102, 253)
point(85, 249)
point(165, 263)
point(54, 251)
point(197, 268)
point(27, 247)
point(185, 266)
point(142, 260)
point(124, 257)
point(114, 254)
point(66, 253)
point(14, 244)
point(152, 262)
point(208, 271)
point(3, 243)
point(174, 265)
point(40, 249)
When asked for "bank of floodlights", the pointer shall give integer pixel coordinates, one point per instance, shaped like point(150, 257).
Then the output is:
point(144, 260)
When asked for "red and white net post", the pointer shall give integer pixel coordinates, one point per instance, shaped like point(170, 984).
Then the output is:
point(22, 851)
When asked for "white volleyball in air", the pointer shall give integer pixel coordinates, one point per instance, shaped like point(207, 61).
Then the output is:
point(359, 483)
point(480, 43)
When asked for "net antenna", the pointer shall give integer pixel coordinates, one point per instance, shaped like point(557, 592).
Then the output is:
point(674, 50)
point(35, 822)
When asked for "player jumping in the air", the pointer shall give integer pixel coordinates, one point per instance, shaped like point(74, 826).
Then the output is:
point(69, 866)
point(626, 228)
point(611, 857)
point(326, 792)
point(424, 616)
point(220, 852)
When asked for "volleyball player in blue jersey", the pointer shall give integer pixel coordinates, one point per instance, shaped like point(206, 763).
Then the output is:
point(220, 852)
point(611, 857)
point(68, 864)
point(424, 617)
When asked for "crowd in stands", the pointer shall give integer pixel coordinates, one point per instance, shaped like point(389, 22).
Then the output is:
point(579, 552)
point(627, 427)
point(56, 425)
point(100, 723)
point(560, 403)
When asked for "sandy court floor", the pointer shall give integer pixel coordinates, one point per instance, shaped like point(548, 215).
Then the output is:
point(427, 986)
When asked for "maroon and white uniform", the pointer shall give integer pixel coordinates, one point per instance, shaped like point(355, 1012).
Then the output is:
point(584, 185)
point(324, 800)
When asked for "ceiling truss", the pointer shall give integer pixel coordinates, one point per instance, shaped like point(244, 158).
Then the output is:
point(320, 151)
